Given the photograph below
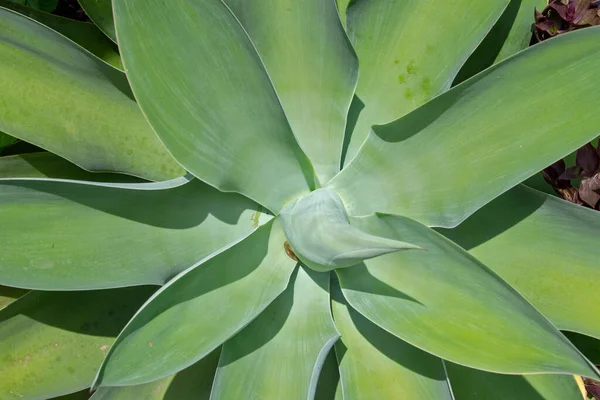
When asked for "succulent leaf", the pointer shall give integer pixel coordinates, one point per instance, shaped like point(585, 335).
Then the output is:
point(85, 34)
point(299, 325)
point(193, 383)
point(200, 309)
point(131, 234)
point(225, 125)
point(60, 97)
point(447, 303)
point(405, 58)
point(305, 50)
point(550, 262)
point(375, 364)
point(52, 343)
point(493, 121)
point(318, 229)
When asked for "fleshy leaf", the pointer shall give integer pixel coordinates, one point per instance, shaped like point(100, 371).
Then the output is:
point(319, 231)
point(447, 303)
point(65, 235)
point(313, 68)
point(410, 51)
point(329, 386)
point(471, 384)
point(485, 136)
point(60, 97)
point(52, 343)
point(209, 303)
point(377, 365)
point(101, 13)
point(193, 383)
point(551, 259)
point(280, 354)
point(85, 34)
point(218, 115)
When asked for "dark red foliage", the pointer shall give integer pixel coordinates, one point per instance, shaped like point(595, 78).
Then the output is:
point(562, 16)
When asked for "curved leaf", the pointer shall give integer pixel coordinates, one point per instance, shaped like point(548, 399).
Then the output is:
point(409, 52)
point(83, 33)
point(319, 231)
point(80, 235)
point(48, 165)
point(101, 13)
point(313, 68)
point(445, 302)
point(209, 303)
point(471, 384)
point(193, 383)
point(329, 385)
point(52, 343)
point(58, 96)
point(486, 135)
point(225, 124)
point(377, 365)
point(544, 247)
point(281, 353)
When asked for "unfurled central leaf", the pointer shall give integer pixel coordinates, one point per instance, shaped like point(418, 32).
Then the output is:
point(319, 231)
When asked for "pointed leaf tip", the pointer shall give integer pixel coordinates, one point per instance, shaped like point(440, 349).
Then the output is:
point(319, 232)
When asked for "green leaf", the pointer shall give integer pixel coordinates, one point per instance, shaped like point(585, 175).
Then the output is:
point(192, 383)
point(48, 165)
point(447, 303)
point(9, 294)
point(319, 231)
point(377, 365)
point(471, 384)
point(208, 303)
point(83, 33)
point(101, 14)
point(511, 34)
point(329, 386)
point(551, 259)
point(52, 343)
point(448, 158)
point(81, 235)
point(280, 354)
point(60, 97)
point(225, 124)
point(409, 52)
point(313, 68)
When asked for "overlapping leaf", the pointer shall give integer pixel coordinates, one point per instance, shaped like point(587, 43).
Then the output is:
point(444, 301)
point(409, 51)
point(85, 34)
point(81, 235)
point(545, 248)
point(100, 11)
point(288, 342)
point(217, 111)
point(52, 343)
point(443, 161)
point(374, 364)
point(199, 309)
point(60, 97)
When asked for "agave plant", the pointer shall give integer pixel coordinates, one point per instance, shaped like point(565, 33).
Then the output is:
point(312, 229)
